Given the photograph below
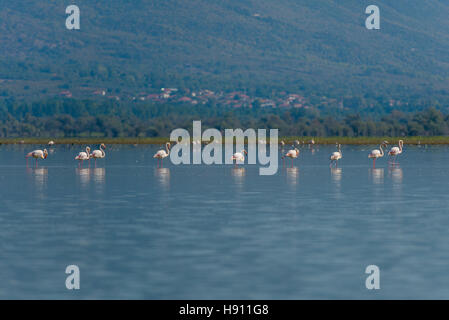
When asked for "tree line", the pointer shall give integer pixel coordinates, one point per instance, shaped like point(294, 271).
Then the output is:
point(75, 118)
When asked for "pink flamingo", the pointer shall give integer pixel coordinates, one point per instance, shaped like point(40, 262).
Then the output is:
point(83, 156)
point(161, 154)
point(293, 154)
point(377, 153)
point(37, 154)
point(98, 154)
point(335, 156)
point(239, 156)
point(395, 151)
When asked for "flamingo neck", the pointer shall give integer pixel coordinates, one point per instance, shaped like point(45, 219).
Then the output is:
point(381, 151)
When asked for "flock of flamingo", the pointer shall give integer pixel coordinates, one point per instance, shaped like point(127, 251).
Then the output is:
point(337, 155)
point(81, 157)
point(237, 157)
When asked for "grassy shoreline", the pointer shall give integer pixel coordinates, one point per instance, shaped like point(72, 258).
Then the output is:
point(442, 140)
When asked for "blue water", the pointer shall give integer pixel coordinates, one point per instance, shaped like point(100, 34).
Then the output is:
point(215, 232)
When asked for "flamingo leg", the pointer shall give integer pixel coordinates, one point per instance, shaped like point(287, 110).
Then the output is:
point(374, 163)
point(162, 162)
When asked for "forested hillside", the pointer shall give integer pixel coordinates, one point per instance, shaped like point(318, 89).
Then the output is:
point(318, 48)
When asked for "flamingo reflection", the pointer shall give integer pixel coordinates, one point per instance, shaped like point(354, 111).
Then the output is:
point(84, 175)
point(163, 175)
point(377, 175)
point(99, 175)
point(396, 174)
point(40, 175)
point(336, 174)
point(238, 174)
point(292, 175)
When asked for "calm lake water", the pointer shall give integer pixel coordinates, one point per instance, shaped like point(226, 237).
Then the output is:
point(215, 232)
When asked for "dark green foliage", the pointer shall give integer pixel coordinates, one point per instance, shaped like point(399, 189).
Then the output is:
point(73, 118)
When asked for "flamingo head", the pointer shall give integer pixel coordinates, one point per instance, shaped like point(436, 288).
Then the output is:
point(88, 150)
point(45, 154)
point(103, 146)
point(244, 151)
point(168, 145)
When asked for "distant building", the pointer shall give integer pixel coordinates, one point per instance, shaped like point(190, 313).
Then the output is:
point(185, 99)
point(99, 92)
point(66, 94)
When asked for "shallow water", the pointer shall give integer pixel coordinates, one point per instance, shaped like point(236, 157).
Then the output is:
point(215, 232)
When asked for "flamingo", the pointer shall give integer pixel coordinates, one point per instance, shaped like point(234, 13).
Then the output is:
point(239, 156)
point(51, 143)
point(282, 143)
point(293, 154)
point(83, 156)
point(336, 155)
point(37, 154)
point(98, 154)
point(161, 154)
point(377, 153)
point(312, 142)
point(395, 151)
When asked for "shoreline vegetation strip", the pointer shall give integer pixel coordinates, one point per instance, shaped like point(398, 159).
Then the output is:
point(442, 140)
